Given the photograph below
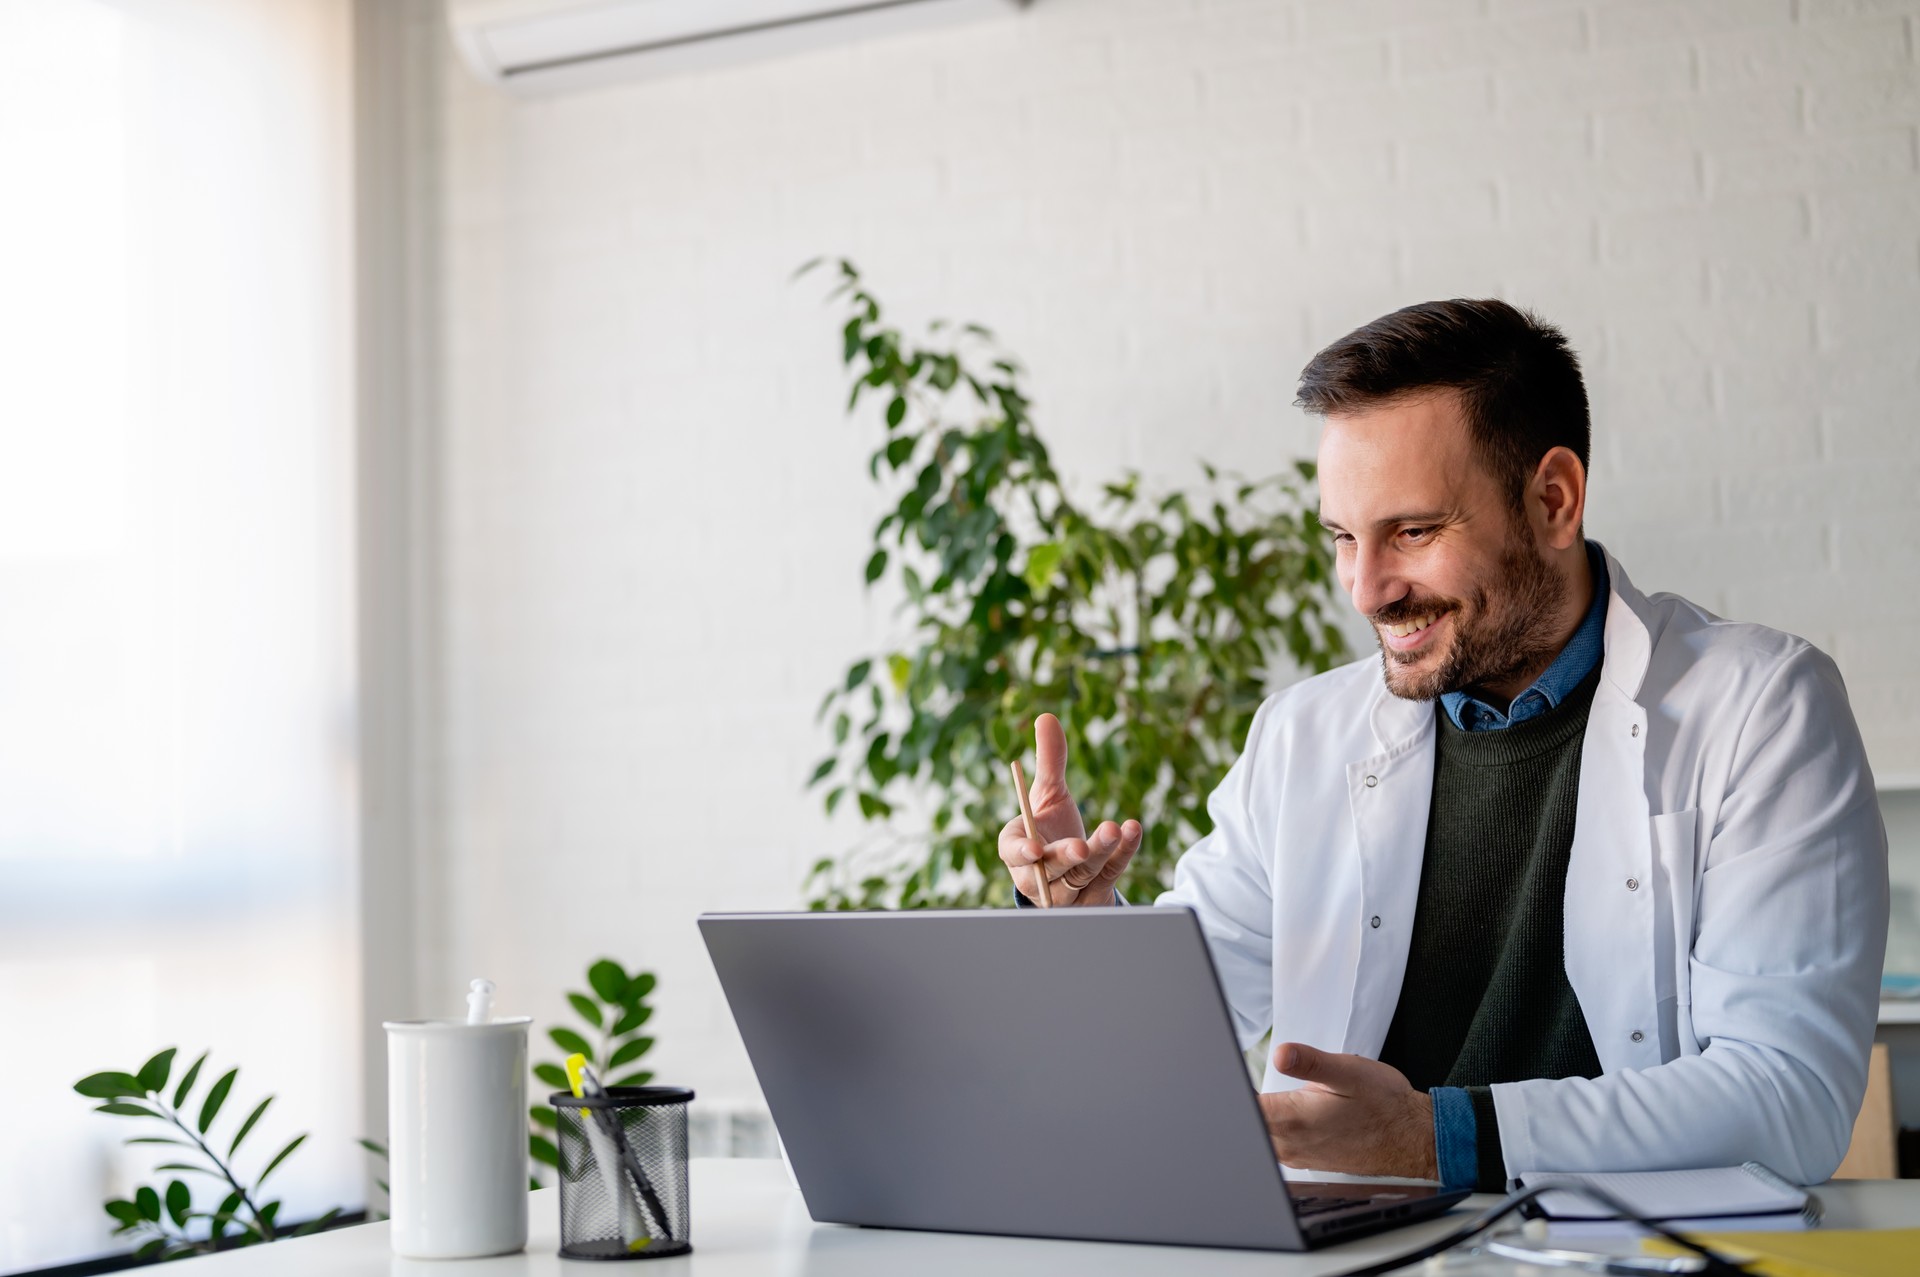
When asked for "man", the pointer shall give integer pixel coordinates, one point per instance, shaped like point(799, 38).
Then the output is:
point(1575, 878)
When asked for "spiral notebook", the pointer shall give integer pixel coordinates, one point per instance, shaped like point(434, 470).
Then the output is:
point(1742, 1193)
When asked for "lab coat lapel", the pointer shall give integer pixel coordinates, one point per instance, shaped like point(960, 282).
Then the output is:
point(1610, 898)
point(1389, 794)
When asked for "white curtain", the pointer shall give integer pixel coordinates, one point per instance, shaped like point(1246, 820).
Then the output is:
point(177, 759)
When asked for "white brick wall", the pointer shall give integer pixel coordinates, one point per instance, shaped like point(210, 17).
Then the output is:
point(656, 516)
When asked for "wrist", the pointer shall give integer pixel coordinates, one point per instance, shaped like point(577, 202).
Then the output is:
point(1422, 1153)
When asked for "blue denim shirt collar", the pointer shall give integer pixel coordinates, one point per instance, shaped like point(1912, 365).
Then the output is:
point(1576, 660)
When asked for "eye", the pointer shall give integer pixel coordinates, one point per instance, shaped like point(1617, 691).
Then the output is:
point(1343, 538)
point(1416, 534)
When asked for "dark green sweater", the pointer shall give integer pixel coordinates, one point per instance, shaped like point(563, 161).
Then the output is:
point(1486, 997)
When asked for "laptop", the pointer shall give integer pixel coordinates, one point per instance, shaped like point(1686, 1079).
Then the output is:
point(1063, 1073)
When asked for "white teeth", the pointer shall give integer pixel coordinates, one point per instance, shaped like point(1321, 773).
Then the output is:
point(1411, 627)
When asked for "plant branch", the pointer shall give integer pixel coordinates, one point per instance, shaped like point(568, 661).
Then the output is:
point(173, 1116)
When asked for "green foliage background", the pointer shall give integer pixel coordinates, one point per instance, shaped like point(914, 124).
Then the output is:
point(1151, 625)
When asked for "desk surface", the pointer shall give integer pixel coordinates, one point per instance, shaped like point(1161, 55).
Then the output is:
point(748, 1218)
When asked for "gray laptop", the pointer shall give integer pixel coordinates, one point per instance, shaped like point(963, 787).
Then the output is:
point(1064, 1073)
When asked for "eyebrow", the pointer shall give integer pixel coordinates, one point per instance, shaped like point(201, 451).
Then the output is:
point(1418, 516)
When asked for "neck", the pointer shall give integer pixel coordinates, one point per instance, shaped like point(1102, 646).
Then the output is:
point(1572, 564)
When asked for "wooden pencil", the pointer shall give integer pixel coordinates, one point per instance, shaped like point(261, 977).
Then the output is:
point(1045, 897)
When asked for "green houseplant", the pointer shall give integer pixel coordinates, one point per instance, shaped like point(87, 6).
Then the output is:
point(164, 1221)
point(614, 1012)
point(1151, 624)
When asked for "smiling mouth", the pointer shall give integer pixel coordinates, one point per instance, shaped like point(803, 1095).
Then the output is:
point(1418, 623)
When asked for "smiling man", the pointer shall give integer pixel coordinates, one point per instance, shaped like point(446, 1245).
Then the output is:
point(1574, 877)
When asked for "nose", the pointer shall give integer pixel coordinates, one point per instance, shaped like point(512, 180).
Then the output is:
point(1371, 581)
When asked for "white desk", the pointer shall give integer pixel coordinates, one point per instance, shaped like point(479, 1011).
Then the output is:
point(748, 1218)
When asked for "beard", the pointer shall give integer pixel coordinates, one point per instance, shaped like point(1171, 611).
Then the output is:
point(1506, 628)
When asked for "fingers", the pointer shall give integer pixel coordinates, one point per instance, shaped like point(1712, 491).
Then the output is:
point(1108, 851)
point(1049, 758)
point(1129, 836)
point(1073, 866)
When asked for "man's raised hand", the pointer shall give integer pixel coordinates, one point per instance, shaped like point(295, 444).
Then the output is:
point(1078, 870)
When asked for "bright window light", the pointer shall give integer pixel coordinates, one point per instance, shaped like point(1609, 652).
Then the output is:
point(176, 717)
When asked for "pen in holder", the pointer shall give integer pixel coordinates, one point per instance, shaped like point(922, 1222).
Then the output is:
point(623, 1172)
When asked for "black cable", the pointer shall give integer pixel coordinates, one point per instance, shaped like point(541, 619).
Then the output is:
point(1716, 1265)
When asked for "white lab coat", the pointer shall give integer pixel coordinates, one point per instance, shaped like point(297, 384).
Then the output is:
point(1726, 900)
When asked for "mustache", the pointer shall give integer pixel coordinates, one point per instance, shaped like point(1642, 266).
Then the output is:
point(1405, 610)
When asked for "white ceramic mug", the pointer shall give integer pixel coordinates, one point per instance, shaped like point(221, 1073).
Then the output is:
point(457, 1137)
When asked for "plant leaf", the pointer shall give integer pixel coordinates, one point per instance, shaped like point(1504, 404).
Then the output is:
point(632, 1019)
point(1042, 560)
point(542, 1150)
point(572, 1043)
point(122, 1108)
point(126, 1212)
point(373, 1146)
point(630, 1052)
point(156, 1139)
point(876, 565)
point(148, 1203)
point(280, 1157)
point(215, 1098)
point(179, 1197)
point(109, 1086)
point(315, 1225)
point(639, 987)
point(545, 1116)
point(634, 1079)
point(186, 1083)
point(586, 1008)
point(191, 1168)
point(149, 1249)
point(553, 1075)
point(248, 1125)
point(609, 981)
point(154, 1073)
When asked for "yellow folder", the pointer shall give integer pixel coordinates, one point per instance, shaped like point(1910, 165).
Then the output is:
point(1824, 1252)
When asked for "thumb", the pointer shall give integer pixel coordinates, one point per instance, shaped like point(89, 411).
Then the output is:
point(1296, 1059)
point(1049, 755)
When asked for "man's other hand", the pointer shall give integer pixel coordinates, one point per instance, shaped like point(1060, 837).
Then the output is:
point(1354, 1115)
point(1078, 870)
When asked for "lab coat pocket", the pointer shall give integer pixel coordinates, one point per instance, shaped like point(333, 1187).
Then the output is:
point(1674, 895)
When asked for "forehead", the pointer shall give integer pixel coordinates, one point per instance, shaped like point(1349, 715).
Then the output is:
point(1409, 454)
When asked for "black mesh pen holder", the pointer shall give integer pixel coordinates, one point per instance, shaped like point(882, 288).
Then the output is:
point(623, 1173)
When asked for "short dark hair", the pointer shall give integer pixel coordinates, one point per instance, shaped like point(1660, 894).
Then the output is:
point(1519, 380)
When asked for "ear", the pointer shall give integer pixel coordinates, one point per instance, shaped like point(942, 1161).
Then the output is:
point(1557, 498)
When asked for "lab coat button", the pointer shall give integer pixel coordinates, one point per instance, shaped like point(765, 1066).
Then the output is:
point(1638, 1036)
point(1636, 729)
point(1372, 781)
point(1633, 884)
point(1375, 924)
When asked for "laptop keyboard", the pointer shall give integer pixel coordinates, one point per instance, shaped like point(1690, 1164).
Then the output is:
point(1320, 1205)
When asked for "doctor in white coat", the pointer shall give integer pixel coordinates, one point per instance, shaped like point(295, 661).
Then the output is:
point(1724, 910)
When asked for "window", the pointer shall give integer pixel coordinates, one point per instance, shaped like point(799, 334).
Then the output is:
point(177, 760)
